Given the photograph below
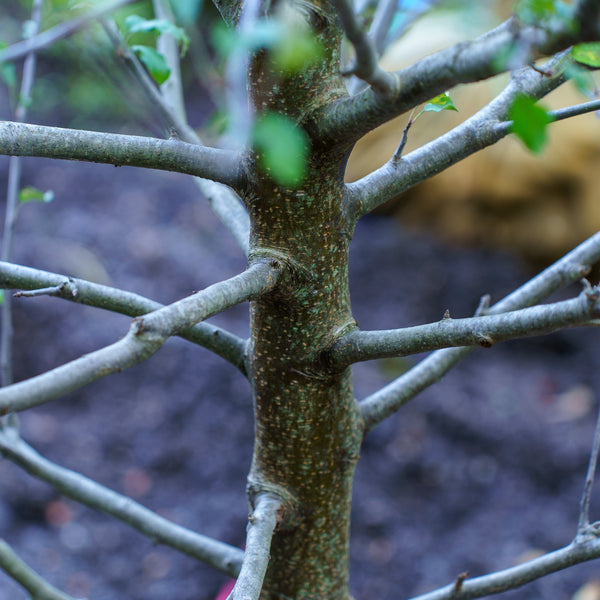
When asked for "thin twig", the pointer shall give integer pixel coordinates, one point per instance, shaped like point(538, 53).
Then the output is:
point(50, 36)
point(145, 336)
point(584, 506)
point(261, 525)
point(515, 577)
point(398, 154)
point(224, 202)
point(222, 556)
point(172, 89)
point(23, 574)
point(365, 65)
point(217, 340)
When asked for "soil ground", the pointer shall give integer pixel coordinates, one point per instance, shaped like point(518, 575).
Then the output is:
point(482, 470)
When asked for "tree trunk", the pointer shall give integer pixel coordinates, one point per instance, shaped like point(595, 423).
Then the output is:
point(308, 428)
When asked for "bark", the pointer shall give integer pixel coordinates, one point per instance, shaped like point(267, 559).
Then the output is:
point(308, 428)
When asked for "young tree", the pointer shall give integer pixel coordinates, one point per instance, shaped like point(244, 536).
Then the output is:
point(278, 183)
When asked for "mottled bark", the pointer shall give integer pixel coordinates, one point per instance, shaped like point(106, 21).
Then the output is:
point(308, 428)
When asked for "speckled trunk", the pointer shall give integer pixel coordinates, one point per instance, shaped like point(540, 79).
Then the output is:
point(308, 429)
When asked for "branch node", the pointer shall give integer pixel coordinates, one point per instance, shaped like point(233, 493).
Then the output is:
point(446, 316)
point(592, 293)
point(484, 305)
point(459, 581)
point(485, 341)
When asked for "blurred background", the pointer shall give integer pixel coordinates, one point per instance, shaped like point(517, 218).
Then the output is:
point(482, 471)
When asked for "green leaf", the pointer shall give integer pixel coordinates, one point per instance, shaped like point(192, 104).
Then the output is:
point(282, 148)
point(546, 13)
point(154, 61)
point(137, 24)
point(1, 297)
point(32, 194)
point(440, 103)
point(8, 73)
point(587, 54)
point(296, 50)
point(581, 79)
point(529, 122)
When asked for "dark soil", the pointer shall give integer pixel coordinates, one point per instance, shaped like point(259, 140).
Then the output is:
point(481, 471)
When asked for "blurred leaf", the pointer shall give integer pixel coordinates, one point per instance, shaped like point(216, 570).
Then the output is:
point(546, 13)
point(154, 61)
point(296, 50)
point(587, 54)
point(31, 194)
point(282, 148)
point(440, 103)
point(581, 78)
point(1, 296)
point(529, 122)
point(8, 72)
point(264, 34)
point(137, 24)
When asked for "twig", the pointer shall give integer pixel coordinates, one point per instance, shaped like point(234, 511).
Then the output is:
point(365, 65)
point(573, 266)
point(398, 154)
point(223, 201)
point(19, 139)
point(514, 577)
point(23, 574)
point(482, 331)
point(217, 340)
point(261, 525)
point(584, 506)
point(145, 336)
point(12, 203)
point(222, 556)
point(50, 36)
point(172, 89)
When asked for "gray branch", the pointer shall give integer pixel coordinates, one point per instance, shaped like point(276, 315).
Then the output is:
point(50, 36)
point(586, 497)
point(482, 331)
point(224, 202)
point(217, 340)
point(261, 525)
point(19, 139)
point(146, 335)
point(15, 567)
point(578, 551)
point(349, 119)
point(383, 403)
point(366, 65)
point(484, 128)
point(226, 558)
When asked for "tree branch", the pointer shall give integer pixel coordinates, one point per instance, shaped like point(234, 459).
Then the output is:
point(573, 266)
point(349, 119)
point(584, 506)
point(146, 335)
point(50, 36)
point(38, 588)
point(226, 558)
point(217, 340)
point(224, 202)
point(482, 331)
point(366, 66)
point(261, 524)
point(18, 139)
point(484, 128)
point(577, 552)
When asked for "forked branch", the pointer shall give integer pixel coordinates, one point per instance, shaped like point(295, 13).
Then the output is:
point(223, 557)
point(146, 335)
point(217, 340)
point(573, 266)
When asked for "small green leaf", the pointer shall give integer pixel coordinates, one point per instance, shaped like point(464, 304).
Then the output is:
point(8, 73)
point(31, 194)
point(529, 122)
point(587, 54)
point(137, 24)
point(440, 103)
point(154, 61)
point(1, 297)
point(282, 148)
point(296, 51)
